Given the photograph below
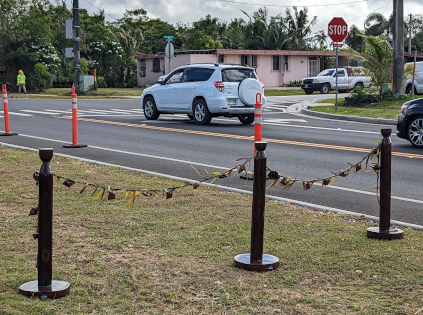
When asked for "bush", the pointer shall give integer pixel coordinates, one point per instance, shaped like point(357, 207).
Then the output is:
point(40, 79)
point(359, 98)
point(101, 83)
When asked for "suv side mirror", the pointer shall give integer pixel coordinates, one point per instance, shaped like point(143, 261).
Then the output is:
point(161, 79)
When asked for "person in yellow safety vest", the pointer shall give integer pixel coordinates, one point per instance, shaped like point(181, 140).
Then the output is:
point(21, 81)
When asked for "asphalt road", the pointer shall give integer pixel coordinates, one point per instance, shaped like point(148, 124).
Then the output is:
point(298, 146)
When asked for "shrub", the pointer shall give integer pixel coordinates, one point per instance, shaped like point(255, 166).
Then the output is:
point(359, 98)
point(101, 83)
point(40, 79)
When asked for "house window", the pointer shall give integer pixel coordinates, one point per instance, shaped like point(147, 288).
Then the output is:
point(285, 63)
point(156, 65)
point(276, 63)
point(254, 62)
point(244, 60)
point(221, 58)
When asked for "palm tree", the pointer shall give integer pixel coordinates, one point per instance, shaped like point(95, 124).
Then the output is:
point(299, 27)
point(376, 24)
point(321, 39)
point(377, 58)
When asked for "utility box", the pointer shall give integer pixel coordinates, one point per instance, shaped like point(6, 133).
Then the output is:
point(86, 83)
point(386, 87)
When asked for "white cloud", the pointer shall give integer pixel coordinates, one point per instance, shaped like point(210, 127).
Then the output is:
point(185, 11)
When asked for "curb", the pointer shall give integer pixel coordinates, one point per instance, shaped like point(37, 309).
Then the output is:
point(230, 189)
point(299, 108)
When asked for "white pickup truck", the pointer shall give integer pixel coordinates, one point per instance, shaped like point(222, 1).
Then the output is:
point(325, 81)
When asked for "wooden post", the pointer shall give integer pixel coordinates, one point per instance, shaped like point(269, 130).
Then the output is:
point(384, 231)
point(45, 287)
point(256, 260)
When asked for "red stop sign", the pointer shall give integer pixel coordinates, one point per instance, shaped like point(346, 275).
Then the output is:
point(337, 29)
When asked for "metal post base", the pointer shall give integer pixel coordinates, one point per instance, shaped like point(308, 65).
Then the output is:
point(391, 234)
point(57, 290)
point(75, 146)
point(8, 134)
point(267, 263)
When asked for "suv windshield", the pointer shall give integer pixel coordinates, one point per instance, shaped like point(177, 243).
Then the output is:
point(326, 73)
point(237, 75)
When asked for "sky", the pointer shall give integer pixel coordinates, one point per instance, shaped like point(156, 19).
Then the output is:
point(188, 11)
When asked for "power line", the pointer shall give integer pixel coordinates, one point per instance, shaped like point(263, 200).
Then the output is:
point(370, 12)
point(101, 10)
point(290, 6)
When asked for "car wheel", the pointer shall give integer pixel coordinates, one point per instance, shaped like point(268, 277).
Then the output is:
point(415, 132)
point(150, 109)
point(359, 86)
point(201, 112)
point(308, 91)
point(246, 119)
point(408, 90)
point(324, 89)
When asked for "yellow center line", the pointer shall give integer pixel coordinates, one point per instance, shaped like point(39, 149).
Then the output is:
point(224, 135)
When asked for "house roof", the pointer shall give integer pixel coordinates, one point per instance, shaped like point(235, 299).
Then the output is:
point(241, 52)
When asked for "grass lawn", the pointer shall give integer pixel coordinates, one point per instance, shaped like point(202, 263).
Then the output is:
point(384, 109)
point(162, 256)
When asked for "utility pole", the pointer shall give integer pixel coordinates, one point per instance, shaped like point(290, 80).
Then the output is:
point(76, 46)
point(398, 56)
point(409, 36)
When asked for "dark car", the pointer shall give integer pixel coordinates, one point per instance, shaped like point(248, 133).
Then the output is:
point(410, 122)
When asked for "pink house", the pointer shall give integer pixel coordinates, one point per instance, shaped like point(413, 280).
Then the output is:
point(274, 67)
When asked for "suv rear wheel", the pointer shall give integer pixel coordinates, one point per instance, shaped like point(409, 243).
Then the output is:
point(201, 113)
point(150, 109)
point(246, 119)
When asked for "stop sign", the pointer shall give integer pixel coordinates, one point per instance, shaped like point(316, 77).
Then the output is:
point(337, 29)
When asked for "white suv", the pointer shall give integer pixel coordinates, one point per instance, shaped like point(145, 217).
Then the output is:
point(203, 91)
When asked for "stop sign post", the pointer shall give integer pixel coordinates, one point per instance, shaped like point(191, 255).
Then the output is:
point(337, 31)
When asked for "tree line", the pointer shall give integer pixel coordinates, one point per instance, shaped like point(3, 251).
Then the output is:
point(32, 38)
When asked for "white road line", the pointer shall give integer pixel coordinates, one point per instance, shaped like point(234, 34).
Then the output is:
point(58, 111)
point(129, 110)
point(214, 167)
point(125, 111)
point(93, 111)
point(282, 121)
point(19, 114)
point(39, 112)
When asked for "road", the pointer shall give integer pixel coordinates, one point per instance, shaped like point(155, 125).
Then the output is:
point(298, 146)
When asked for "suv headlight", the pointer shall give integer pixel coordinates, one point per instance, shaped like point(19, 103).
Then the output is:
point(315, 81)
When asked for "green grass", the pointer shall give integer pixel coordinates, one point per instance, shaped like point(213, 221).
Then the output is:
point(384, 109)
point(283, 92)
point(163, 256)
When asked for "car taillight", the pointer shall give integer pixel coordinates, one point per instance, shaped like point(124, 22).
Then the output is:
point(262, 86)
point(219, 85)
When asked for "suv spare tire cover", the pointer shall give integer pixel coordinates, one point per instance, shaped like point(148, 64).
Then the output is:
point(248, 90)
